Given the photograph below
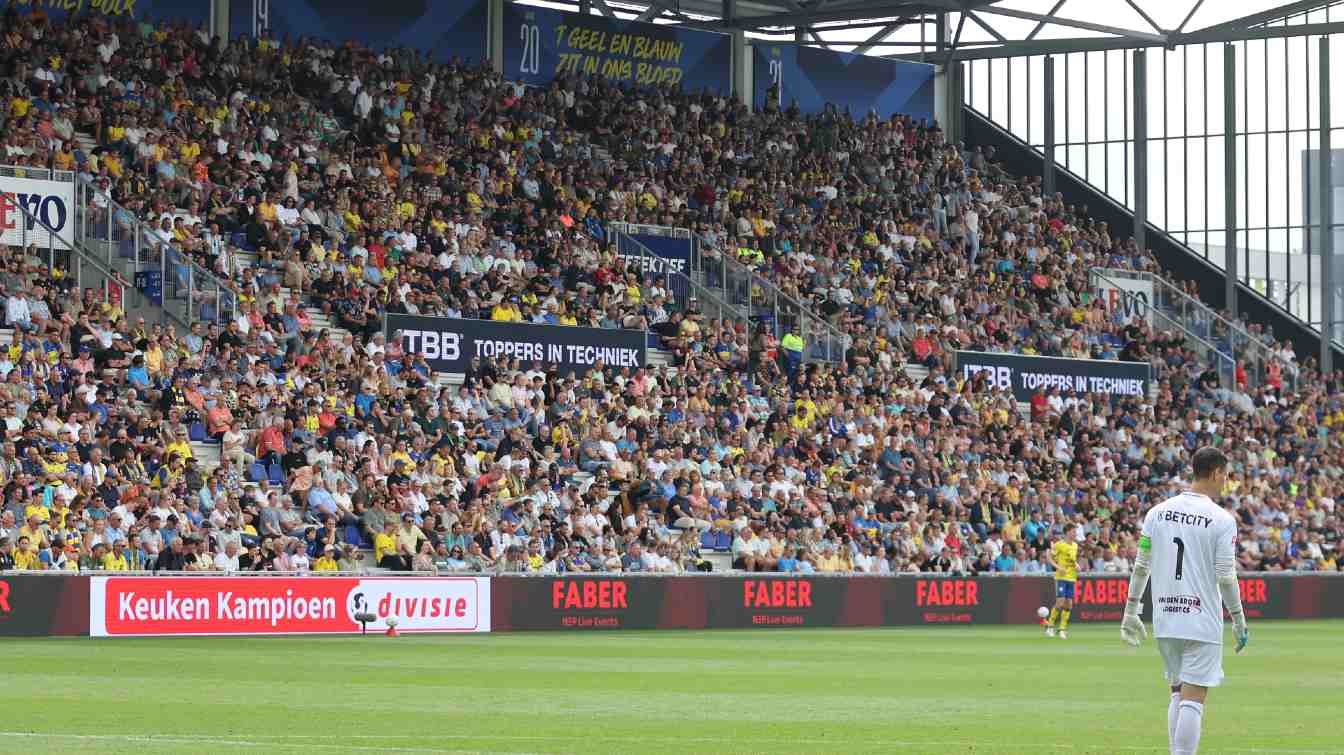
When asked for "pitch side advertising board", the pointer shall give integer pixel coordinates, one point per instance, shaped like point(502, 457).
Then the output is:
point(157, 606)
point(734, 602)
point(449, 343)
point(33, 605)
point(1025, 374)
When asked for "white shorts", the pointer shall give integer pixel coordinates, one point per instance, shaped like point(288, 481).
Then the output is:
point(1192, 661)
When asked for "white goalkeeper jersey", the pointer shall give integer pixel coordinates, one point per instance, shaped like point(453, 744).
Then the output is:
point(1187, 535)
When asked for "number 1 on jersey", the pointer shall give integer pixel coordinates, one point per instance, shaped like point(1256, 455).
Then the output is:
point(1180, 556)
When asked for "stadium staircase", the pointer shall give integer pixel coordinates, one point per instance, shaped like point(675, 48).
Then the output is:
point(731, 291)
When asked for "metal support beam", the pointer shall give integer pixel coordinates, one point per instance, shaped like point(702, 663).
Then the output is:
point(807, 16)
point(729, 11)
point(1139, 10)
point(878, 38)
point(990, 51)
point(1141, 148)
point(654, 10)
point(1329, 315)
point(1230, 178)
point(1048, 108)
point(603, 8)
point(952, 48)
point(1273, 14)
point(1193, 10)
point(1088, 25)
point(954, 128)
point(585, 7)
point(1041, 24)
point(981, 23)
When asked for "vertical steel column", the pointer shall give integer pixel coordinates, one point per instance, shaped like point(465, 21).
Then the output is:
point(1230, 177)
point(1048, 108)
point(742, 71)
point(1140, 148)
point(1327, 220)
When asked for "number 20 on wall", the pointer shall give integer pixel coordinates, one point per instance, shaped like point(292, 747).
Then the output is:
point(531, 37)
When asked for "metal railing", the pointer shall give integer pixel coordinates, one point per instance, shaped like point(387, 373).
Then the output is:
point(1208, 329)
point(63, 258)
point(682, 289)
point(752, 297)
point(186, 291)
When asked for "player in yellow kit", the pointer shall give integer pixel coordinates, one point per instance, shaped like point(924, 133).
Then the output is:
point(1063, 557)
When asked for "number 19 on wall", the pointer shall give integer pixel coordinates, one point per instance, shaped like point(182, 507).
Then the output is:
point(531, 38)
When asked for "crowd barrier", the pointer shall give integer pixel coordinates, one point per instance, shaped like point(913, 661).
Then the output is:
point(35, 604)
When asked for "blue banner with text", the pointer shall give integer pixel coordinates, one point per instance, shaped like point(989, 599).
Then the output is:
point(541, 44)
point(193, 12)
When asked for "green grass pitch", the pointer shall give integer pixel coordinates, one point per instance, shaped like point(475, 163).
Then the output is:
point(935, 690)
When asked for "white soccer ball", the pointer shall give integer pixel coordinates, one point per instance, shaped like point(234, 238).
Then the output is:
point(1043, 612)
point(392, 621)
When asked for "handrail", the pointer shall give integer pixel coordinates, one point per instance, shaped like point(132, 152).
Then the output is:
point(75, 250)
point(733, 268)
point(681, 286)
point(1226, 364)
point(123, 234)
point(826, 343)
point(1240, 341)
point(1176, 293)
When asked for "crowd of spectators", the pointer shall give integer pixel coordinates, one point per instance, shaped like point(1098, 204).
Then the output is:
point(373, 182)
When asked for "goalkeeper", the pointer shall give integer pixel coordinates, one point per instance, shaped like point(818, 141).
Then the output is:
point(1188, 548)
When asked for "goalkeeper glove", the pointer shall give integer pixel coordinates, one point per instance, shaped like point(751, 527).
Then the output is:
point(1240, 630)
point(1131, 626)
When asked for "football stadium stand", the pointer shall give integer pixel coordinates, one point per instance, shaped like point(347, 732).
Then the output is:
point(308, 190)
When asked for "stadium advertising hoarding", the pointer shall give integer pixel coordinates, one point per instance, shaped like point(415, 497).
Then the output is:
point(117, 606)
point(194, 12)
point(444, 28)
point(449, 343)
point(154, 606)
point(813, 77)
point(673, 254)
point(33, 605)
point(1131, 297)
point(52, 202)
point(541, 44)
point(740, 602)
point(1024, 374)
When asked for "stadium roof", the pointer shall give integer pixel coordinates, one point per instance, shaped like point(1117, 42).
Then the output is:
point(944, 30)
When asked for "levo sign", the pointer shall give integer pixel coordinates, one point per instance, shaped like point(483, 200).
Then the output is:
point(147, 606)
point(1131, 298)
point(25, 201)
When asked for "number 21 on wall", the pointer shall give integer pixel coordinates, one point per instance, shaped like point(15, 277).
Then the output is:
point(531, 37)
point(777, 74)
